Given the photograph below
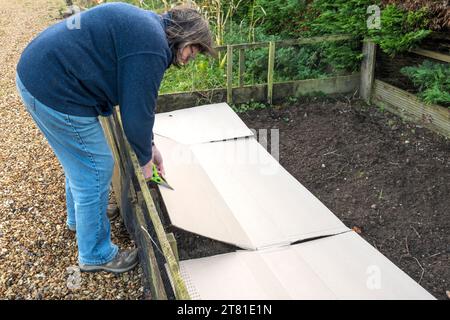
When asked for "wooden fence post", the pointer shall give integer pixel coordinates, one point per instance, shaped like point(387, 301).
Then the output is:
point(118, 166)
point(229, 74)
point(241, 67)
point(270, 71)
point(367, 70)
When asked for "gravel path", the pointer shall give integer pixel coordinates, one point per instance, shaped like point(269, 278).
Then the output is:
point(35, 247)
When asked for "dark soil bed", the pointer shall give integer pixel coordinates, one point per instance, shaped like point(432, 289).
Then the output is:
point(386, 179)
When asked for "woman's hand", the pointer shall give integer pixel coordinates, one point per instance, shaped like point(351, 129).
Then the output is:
point(158, 160)
point(147, 170)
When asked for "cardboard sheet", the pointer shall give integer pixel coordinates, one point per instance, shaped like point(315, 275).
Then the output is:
point(343, 266)
point(236, 192)
point(214, 122)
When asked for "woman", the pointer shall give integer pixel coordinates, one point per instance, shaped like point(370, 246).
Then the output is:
point(68, 76)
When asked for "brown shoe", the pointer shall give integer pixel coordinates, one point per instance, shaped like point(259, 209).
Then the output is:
point(112, 211)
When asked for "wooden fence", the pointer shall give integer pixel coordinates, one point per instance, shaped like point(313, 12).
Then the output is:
point(268, 92)
point(398, 101)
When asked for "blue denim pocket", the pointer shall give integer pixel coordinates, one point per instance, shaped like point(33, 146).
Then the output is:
point(78, 121)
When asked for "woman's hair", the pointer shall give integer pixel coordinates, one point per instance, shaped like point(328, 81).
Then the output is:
point(186, 26)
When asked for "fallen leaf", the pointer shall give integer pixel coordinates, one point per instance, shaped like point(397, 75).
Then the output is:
point(357, 230)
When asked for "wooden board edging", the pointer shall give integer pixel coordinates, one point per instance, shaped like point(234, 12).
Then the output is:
point(281, 90)
point(411, 108)
point(179, 286)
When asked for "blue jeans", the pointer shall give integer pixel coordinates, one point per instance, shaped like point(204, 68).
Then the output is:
point(80, 146)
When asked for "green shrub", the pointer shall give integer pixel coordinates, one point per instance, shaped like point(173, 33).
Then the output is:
point(281, 17)
point(337, 17)
point(267, 20)
point(400, 29)
point(325, 17)
point(432, 80)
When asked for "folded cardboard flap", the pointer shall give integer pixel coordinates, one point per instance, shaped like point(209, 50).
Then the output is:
point(343, 266)
point(195, 205)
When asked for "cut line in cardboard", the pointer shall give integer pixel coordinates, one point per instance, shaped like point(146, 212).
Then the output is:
point(343, 266)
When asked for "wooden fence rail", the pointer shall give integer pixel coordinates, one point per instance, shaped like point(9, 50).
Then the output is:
point(259, 92)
